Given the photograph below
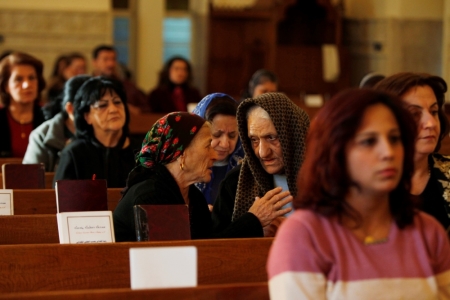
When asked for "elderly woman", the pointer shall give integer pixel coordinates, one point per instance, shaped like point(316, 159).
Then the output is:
point(423, 94)
point(174, 90)
point(49, 139)
point(21, 84)
point(102, 148)
point(273, 131)
point(220, 110)
point(175, 154)
point(355, 234)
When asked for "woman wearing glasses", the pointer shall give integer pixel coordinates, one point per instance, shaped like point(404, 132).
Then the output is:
point(102, 148)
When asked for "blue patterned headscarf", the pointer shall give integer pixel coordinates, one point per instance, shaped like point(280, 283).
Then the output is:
point(234, 158)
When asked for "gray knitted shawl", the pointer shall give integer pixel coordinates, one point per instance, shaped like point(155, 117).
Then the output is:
point(291, 123)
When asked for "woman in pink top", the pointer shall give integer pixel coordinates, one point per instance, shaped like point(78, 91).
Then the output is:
point(355, 233)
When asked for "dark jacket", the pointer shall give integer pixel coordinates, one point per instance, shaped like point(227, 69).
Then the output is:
point(161, 188)
point(224, 207)
point(5, 140)
point(160, 99)
point(83, 158)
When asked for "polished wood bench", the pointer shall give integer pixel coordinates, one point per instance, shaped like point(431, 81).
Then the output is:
point(27, 202)
point(244, 291)
point(26, 268)
point(141, 123)
point(48, 180)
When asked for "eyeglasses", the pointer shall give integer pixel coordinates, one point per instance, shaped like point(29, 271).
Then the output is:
point(103, 104)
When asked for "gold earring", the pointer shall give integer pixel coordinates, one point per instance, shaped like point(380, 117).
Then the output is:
point(181, 166)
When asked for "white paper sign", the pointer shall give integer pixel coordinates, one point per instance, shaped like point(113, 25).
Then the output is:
point(6, 202)
point(314, 100)
point(163, 267)
point(85, 227)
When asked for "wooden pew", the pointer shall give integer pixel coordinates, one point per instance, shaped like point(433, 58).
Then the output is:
point(141, 123)
point(244, 291)
point(29, 229)
point(9, 160)
point(26, 268)
point(48, 180)
point(27, 202)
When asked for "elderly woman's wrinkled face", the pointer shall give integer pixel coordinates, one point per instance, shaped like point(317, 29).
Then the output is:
point(265, 141)
point(422, 103)
point(23, 84)
point(200, 156)
point(224, 135)
point(107, 114)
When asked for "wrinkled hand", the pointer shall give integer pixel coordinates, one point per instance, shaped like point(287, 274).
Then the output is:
point(269, 206)
point(271, 229)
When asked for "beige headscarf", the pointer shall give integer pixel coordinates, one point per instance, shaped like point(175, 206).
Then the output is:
point(291, 123)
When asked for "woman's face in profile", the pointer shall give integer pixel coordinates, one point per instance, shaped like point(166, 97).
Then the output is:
point(200, 156)
point(375, 154)
point(178, 72)
point(224, 135)
point(422, 103)
point(107, 114)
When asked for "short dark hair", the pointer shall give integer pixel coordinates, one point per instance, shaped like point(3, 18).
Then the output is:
point(6, 66)
point(70, 90)
point(324, 179)
point(101, 48)
point(259, 77)
point(400, 83)
point(164, 79)
point(224, 105)
point(90, 92)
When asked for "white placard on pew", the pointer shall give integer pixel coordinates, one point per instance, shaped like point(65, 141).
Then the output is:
point(85, 227)
point(6, 202)
point(163, 267)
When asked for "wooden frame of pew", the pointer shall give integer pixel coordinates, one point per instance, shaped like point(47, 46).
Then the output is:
point(48, 180)
point(28, 202)
point(27, 268)
point(238, 291)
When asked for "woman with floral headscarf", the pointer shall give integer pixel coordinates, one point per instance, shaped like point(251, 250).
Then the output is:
point(175, 154)
point(220, 110)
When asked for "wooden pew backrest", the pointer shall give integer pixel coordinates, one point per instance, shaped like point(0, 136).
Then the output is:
point(27, 202)
point(26, 268)
point(240, 291)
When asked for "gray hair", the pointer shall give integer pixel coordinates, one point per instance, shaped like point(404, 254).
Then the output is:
point(258, 111)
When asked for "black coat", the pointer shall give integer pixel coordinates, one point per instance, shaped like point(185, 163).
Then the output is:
point(161, 188)
point(248, 225)
point(83, 158)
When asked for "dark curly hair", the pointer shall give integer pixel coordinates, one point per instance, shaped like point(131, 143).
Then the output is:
point(90, 92)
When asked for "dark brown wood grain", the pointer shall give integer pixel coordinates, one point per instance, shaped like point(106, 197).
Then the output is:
point(27, 202)
point(26, 268)
point(48, 180)
point(242, 291)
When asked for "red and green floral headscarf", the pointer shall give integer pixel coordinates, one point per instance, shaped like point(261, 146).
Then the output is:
point(168, 138)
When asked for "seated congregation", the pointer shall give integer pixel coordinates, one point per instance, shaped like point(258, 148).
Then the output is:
point(358, 202)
